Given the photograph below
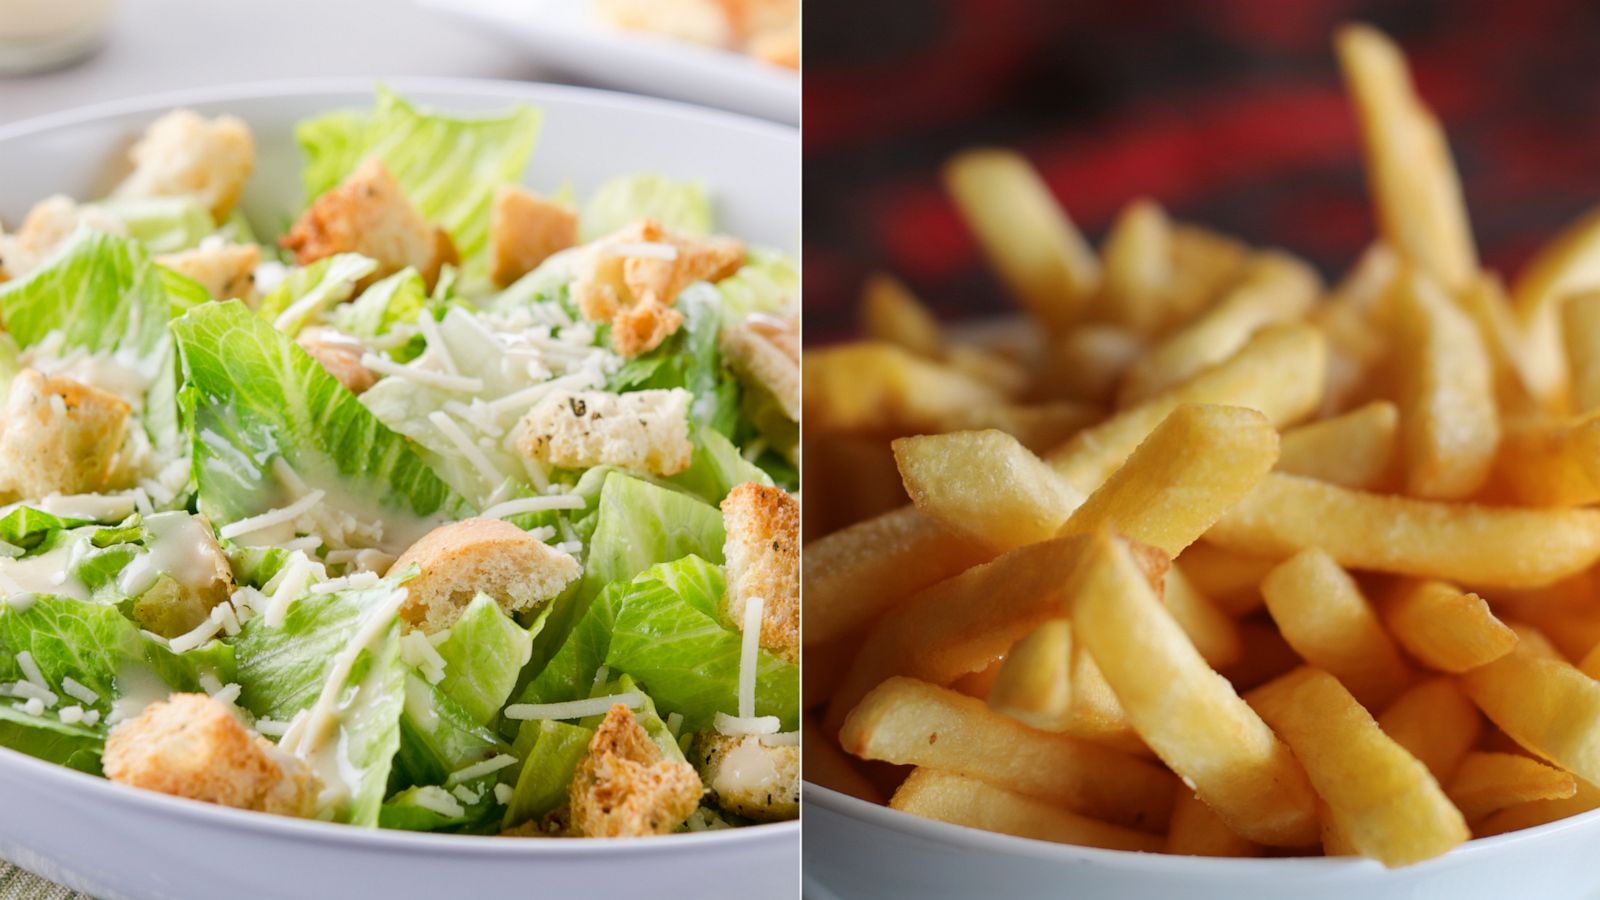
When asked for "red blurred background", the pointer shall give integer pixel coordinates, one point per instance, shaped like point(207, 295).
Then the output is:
point(1229, 113)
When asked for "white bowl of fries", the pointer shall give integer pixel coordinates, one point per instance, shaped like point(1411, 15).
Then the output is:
point(1234, 585)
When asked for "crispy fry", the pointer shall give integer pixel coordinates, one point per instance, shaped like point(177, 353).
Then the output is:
point(1394, 811)
point(1034, 685)
point(1278, 373)
point(1325, 618)
point(1436, 723)
point(1265, 655)
point(907, 721)
point(1086, 363)
point(1355, 321)
point(1545, 460)
point(1416, 192)
point(976, 804)
point(1027, 236)
point(1355, 450)
point(1486, 302)
point(1138, 268)
point(1547, 705)
point(1581, 316)
point(1480, 545)
point(1188, 714)
point(878, 388)
point(985, 486)
point(1567, 265)
point(980, 683)
point(1204, 264)
point(1446, 628)
point(1231, 580)
point(852, 576)
point(892, 314)
point(1488, 782)
point(1197, 831)
point(1210, 630)
point(822, 762)
point(1540, 812)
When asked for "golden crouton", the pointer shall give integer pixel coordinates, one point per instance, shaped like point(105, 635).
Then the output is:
point(766, 355)
point(340, 354)
point(59, 436)
point(367, 213)
point(747, 777)
point(525, 229)
point(190, 745)
point(490, 555)
point(226, 271)
point(763, 554)
point(644, 431)
point(183, 154)
point(626, 787)
point(634, 288)
point(779, 46)
point(47, 226)
point(699, 21)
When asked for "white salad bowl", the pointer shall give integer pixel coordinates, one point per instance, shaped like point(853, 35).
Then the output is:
point(855, 849)
point(117, 842)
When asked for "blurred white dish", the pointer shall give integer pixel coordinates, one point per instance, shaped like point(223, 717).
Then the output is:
point(567, 34)
point(116, 842)
point(855, 849)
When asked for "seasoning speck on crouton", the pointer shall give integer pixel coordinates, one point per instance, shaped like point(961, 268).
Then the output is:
point(190, 745)
point(367, 213)
point(226, 271)
point(645, 431)
point(59, 436)
point(747, 777)
point(632, 277)
point(525, 229)
point(184, 154)
point(626, 787)
point(763, 554)
point(495, 557)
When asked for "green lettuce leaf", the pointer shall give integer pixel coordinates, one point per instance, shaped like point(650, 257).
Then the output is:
point(437, 736)
point(27, 527)
point(252, 395)
point(716, 467)
point(305, 293)
point(397, 299)
point(484, 654)
point(551, 752)
point(769, 282)
point(162, 224)
point(682, 206)
point(690, 359)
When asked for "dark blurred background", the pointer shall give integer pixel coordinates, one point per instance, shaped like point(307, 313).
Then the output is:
point(1229, 112)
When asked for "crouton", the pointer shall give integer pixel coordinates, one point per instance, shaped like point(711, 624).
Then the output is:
point(46, 228)
point(699, 21)
point(626, 787)
point(190, 745)
point(747, 777)
point(763, 556)
point(525, 230)
point(644, 431)
point(226, 271)
point(367, 213)
point(779, 46)
point(59, 436)
point(490, 555)
point(766, 355)
point(187, 585)
point(340, 354)
point(183, 154)
point(633, 288)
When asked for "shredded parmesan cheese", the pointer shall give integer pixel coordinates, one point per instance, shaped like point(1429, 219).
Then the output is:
point(740, 725)
point(271, 517)
point(478, 770)
point(574, 709)
point(440, 380)
point(748, 658)
point(533, 504)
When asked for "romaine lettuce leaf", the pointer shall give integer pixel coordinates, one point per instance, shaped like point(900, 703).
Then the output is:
point(716, 467)
point(690, 359)
point(399, 298)
point(26, 527)
point(550, 753)
point(680, 206)
point(307, 292)
point(162, 224)
point(483, 655)
point(768, 282)
point(437, 736)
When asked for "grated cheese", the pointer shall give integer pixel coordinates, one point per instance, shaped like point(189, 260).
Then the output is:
point(440, 380)
point(201, 633)
point(574, 709)
point(471, 451)
point(503, 794)
point(271, 517)
point(748, 658)
point(740, 725)
point(430, 333)
point(478, 770)
point(438, 800)
point(675, 723)
point(77, 691)
point(71, 715)
point(30, 671)
point(533, 504)
point(271, 727)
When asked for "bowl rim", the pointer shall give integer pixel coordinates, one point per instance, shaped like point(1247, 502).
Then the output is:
point(75, 784)
point(964, 837)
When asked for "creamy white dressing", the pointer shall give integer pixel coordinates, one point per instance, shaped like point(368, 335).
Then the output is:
point(137, 687)
point(50, 572)
point(180, 546)
point(98, 507)
point(746, 767)
point(419, 704)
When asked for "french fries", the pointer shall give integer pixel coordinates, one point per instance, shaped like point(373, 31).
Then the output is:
point(1210, 630)
point(1138, 268)
point(1567, 265)
point(985, 486)
point(1545, 704)
point(1197, 831)
point(1489, 782)
point(824, 763)
point(905, 721)
point(1396, 812)
point(977, 804)
point(1355, 450)
point(1034, 684)
point(1436, 723)
point(1446, 628)
point(1581, 318)
point(1188, 714)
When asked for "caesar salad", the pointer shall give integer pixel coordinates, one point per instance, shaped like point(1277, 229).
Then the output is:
point(453, 506)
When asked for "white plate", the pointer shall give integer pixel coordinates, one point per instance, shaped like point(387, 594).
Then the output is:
point(116, 842)
point(848, 843)
point(566, 34)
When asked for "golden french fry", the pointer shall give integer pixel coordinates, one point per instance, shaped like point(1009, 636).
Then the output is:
point(977, 684)
point(822, 762)
point(1034, 685)
point(1486, 302)
point(1355, 321)
point(992, 368)
point(1188, 714)
point(1210, 630)
point(1493, 546)
point(1540, 812)
point(1581, 317)
point(1415, 189)
point(905, 721)
point(853, 576)
point(1097, 715)
point(985, 486)
point(976, 804)
point(1325, 618)
point(1231, 580)
point(1278, 373)
point(1449, 426)
point(1545, 460)
point(1204, 264)
point(1197, 831)
point(1436, 723)
point(1356, 450)
point(1274, 288)
point(1086, 363)
point(879, 388)
point(1029, 239)
point(1335, 841)
point(1138, 263)
point(1446, 628)
point(1567, 265)
point(1265, 655)
point(1381, 798)
point(1547, 705)
point(1489, 782)
point(892, 314)
point(1193, 466)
